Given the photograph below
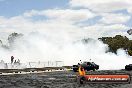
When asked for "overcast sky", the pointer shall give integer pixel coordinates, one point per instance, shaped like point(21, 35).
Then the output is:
point(77, 18)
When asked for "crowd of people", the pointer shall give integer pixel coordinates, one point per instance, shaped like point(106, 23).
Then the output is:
point(13, 61)
point(12, 64)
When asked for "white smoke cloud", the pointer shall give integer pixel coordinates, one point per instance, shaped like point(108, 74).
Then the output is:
point(40, 47)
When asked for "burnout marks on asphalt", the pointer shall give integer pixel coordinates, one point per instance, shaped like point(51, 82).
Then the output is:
point(65, 79)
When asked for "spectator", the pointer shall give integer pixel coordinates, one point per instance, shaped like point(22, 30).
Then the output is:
point(18, 62)
point(12, 59)
point(15, 62)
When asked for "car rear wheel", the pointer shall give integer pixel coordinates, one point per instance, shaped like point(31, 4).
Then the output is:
point(94, 69)
point(75, 69)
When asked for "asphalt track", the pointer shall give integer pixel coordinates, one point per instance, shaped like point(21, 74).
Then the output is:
point(59, 79)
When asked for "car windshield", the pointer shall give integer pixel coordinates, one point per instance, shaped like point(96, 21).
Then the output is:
point(93, 63)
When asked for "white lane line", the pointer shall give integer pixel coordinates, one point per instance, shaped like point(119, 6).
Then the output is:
point(22, 72)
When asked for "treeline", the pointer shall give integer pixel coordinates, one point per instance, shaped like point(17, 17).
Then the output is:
point(117, 42)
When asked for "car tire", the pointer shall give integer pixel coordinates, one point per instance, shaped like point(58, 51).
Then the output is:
point(94, 69)
point(75, 69)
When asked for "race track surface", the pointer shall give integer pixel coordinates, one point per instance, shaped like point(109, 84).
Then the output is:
point(64, 79)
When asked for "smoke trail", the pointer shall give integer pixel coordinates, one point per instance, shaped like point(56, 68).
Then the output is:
point(40, 47)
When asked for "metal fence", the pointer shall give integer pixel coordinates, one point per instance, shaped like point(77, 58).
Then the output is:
point(45, 64)
point(31, 65)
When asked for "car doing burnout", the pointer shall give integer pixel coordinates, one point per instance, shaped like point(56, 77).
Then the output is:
point(86, 65)
point(128, 67)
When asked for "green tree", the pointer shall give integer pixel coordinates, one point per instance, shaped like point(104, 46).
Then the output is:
point(117, 42)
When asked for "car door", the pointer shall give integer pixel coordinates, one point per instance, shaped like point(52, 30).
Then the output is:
point(88, 66)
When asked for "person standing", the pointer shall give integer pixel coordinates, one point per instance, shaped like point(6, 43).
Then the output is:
point(81, 77)
point(12, 59)
point(81, 71)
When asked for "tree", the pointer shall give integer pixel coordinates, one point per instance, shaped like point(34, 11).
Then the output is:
point(12, 37)
point(117, 42)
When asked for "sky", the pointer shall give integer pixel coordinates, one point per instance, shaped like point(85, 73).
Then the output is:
point(57, 25)
point(103, 18)
point(11, 8)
